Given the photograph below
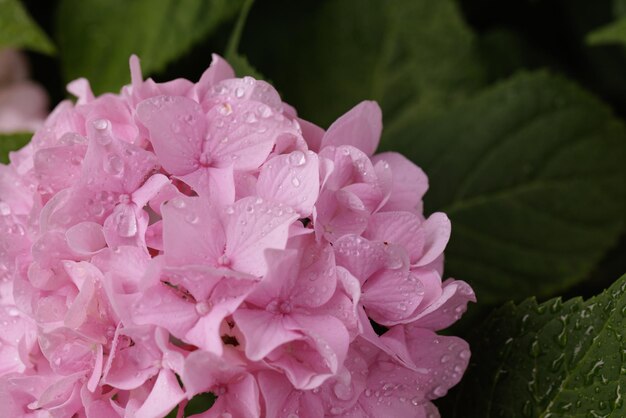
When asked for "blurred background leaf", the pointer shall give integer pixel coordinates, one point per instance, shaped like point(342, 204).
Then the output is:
point(12, 142)
point(97, 37)
point(239, 62)
point(18, 30)
point(325, 57)
point(531, 174)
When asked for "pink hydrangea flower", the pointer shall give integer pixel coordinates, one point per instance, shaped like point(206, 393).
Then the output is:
point(23, 104)
point(181, 238)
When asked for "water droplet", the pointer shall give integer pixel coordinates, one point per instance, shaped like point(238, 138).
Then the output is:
point(225, 109)
point(126, 224)
point(114, 165)
point(229, 210)
point(239, 92)
point(101, 124)
point(265, 111)
point(203, 308)
point(535, 349)
point(343, 391)
point(440, 391)
point(250, 118)
point(465, 354)
point(335, 410)
point(192, 218)
point(297, 158)
point(5, 209)
point(295, 181)
point(178, 203)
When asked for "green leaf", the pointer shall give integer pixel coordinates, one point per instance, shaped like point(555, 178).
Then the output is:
point(242, 66)
point(397, 52)
point(97, 37)
point(18, 30)
point(550, 360)
point(612, 33)
point(531, 173)
point(239, 62)
point(12, 142)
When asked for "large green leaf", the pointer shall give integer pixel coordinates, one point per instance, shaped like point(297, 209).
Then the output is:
point(550, 360)
point(614, 32)
point(18, 30)
point(97, 37)
point(336, 53)
point(532, 174)
point(12, 142)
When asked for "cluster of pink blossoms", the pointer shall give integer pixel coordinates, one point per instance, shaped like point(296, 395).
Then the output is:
point(184, 238)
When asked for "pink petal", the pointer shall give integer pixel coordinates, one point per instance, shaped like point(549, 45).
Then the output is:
point(317, 278)
point(447, 309)
point(149, 189)
point(94, 379)
point(391, 296)
point(81, 89)
point(161, 306)
point(243, 134)
point(281, 399)
point(241, 400)
point(245, 89)
point(177, 129)
point(113, 165)
point(409, 182)
point(361, 127)
point(254, 226)
point(215, 183)
point(192, 232)
point(132, 365)
point(448, 356)
point(309, 362)
point(264, 331)
point(165, 395)
point(218, 70)
point(436, 230)
point(59, 167)
point(312, 134)
point(292, 180)
point(85, 238)
point(360, 256)
point(402, 228)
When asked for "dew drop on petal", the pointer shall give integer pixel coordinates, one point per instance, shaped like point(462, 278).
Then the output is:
point(114, 165)
point(265, 111)
point(101, 124)
point(178, 203)
point(192, 218)
point(5, 210)
point(297, 158)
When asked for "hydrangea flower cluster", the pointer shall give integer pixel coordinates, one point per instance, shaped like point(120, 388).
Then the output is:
point(183, 238)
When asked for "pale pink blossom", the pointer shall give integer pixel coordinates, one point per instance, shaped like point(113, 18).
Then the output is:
point(23, 103)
